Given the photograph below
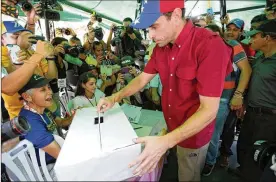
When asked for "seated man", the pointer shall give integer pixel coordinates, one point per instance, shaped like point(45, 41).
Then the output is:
point(37, 96)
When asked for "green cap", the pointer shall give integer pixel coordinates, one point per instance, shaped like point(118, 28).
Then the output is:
point(127, 61)
point(36, 81)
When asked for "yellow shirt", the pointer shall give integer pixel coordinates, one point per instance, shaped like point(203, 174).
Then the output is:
point(12, 103)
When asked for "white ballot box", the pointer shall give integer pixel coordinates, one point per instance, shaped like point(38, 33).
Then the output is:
point(98, 152)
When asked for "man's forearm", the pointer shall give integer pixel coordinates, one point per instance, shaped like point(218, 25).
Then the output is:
point(19, 77)
point(198, 121)
point(52, 70)
point(244, 79)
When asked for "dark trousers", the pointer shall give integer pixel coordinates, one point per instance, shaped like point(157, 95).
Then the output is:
point(228, 134)
point(256, 126)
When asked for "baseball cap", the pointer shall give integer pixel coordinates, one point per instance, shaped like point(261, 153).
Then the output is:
point(152, 9)
point(36, 81)
point(12, 27)
point(127, 61)
point(268, 27)
point(237, 22)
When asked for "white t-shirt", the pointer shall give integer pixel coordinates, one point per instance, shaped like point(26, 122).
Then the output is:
point(82, 101)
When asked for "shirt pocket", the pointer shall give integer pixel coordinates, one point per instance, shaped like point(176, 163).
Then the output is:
point(185, 81)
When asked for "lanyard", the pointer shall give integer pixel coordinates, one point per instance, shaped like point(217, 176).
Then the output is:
point(90, 101)
point(52, 126)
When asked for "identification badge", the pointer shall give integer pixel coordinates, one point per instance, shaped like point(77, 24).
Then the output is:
point(62, 83)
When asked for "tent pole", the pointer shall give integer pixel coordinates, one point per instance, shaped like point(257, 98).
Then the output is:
point(223, 12)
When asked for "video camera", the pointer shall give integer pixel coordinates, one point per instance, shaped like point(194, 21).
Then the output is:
point(46, 6)
point(14, 128)
point(65, 31)
point(73, 51)
point(99, 33)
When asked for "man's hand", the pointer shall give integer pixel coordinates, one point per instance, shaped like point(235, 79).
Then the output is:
point(100, 59)
point(225, 20)
point(236, 103)
point(112, 26)
point(106, 103)
point(132, 36)
point(44, 48)
point(123, 32)
point(240, 112)
point(103, 77)
point(59, 49)
point(22, 56)
point(120, 78)
point(155, 148)
point(31, 15)
point(72, 32)
point(133, 71)
point(111, 56)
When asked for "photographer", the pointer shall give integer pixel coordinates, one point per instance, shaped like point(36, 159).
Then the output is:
point(28, 65)
point(103, 57)
point(131, 39)
point(127, 73)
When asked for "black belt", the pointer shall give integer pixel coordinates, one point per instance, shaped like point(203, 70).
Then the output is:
point(260, 110)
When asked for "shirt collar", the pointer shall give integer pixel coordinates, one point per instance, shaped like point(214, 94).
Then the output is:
point(184, 33)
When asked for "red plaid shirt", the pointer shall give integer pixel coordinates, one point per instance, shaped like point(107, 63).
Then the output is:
point(196, 64)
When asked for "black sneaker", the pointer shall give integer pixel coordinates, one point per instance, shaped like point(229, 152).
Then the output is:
point(207, 170)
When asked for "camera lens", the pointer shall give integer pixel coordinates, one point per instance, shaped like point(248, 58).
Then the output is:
point(67, 31)
point(26, 6)
point(14, 128)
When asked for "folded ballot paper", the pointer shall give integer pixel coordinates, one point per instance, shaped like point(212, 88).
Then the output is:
point(98, 149)
point(133, 113)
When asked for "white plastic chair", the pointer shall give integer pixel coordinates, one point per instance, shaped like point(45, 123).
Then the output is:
point(22, 162)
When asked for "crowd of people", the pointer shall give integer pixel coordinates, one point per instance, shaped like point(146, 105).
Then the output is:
point(96, 69)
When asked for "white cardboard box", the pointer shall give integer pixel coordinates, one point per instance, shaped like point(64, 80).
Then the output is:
point(83, 159)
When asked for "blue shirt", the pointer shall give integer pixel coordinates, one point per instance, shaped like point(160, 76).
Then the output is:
point(38, 135)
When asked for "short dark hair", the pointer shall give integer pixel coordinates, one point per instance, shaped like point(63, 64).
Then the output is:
point(74, 39)
point(215, 28)
point(259, 18)
point(96, 43)
point(168, 15)
point(57, 40)
point(83, 79)
point(128, 19)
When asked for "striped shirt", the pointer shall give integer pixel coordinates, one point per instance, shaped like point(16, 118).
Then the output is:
point(231, 80)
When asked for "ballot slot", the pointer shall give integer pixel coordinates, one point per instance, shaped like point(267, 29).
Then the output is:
point(96, 120)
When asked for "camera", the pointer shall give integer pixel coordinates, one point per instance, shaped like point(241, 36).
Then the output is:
point(14, 128)
point(25, 5)
point(99, 33)
point(262, 153)
point(47, 13)
point(73, 51)
point(129, 30)
point(65, 31)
